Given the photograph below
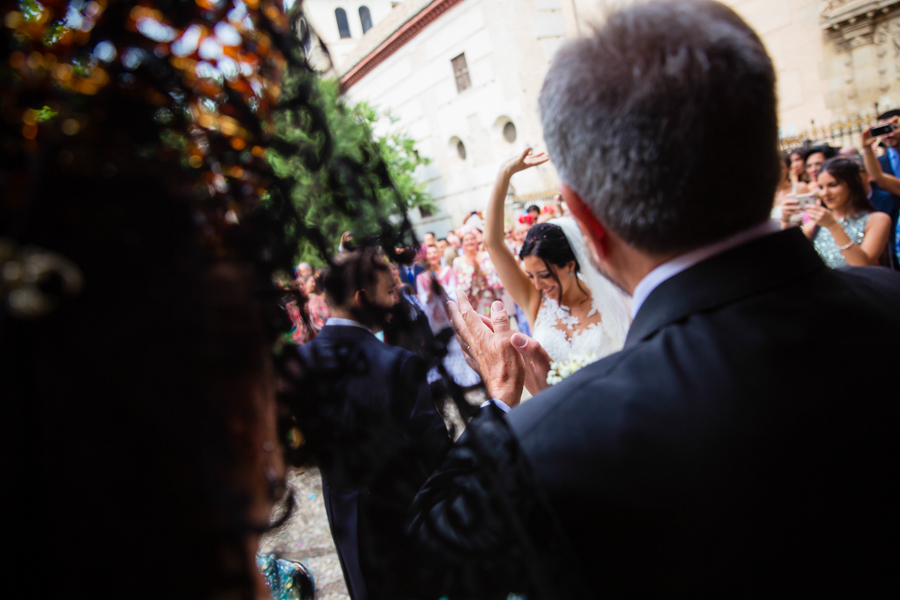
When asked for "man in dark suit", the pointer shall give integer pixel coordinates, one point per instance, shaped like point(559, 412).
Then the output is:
point(409, 270)
point(372, 425)
point(738, 445)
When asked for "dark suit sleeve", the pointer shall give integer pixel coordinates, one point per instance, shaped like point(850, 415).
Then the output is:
point(423, 424)
point(479, 522)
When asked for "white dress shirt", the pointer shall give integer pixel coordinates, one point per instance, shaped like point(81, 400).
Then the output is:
point(683, 262)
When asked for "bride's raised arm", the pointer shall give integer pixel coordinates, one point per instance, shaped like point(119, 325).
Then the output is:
point(511, 275)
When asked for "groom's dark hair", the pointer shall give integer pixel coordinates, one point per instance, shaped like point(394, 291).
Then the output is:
point(635, 117)
point(353, 271)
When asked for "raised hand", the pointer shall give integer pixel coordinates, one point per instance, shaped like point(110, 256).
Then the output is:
point(525, 160)
point(867, 139)
point(501, 367)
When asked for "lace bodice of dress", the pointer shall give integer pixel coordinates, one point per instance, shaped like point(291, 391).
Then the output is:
point(561, 334)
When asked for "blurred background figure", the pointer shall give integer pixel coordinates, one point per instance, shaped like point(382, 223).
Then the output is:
point(475, 273)
point(787, 187)
point(797, 172)
point(408, 267)
point(813, 160)
point(435, 287)
point(319, 312)
point(884, 191)
point(304, 270)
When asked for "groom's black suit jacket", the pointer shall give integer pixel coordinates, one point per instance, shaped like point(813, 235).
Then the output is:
point(742, 444)
point(377, 436)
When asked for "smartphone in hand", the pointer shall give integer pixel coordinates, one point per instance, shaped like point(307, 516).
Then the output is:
point(882, 130)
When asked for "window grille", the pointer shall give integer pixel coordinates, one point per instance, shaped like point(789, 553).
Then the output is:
point(461, 72)
point(343, 25)
point(365, 18)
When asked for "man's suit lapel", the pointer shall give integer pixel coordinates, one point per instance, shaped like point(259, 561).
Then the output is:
point(752, 268)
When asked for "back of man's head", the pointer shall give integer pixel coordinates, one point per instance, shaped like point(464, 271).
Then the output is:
point(350, 272)
point(640, 116)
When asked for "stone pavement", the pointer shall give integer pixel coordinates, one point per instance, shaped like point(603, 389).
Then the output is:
point(306, 537)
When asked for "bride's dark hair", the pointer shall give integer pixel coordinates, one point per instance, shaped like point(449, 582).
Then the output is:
point(548, 242)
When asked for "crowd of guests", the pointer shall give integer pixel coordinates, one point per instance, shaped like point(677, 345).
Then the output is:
point(430, 276)
point(846, 201)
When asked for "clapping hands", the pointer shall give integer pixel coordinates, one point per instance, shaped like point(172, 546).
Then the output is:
point(505, 359)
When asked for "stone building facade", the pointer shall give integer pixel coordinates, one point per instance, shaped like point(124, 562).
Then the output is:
point(462, 77)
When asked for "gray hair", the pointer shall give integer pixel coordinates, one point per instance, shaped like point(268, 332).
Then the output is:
point(664, 122)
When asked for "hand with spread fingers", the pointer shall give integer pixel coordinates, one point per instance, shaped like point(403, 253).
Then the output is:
point(501, 366)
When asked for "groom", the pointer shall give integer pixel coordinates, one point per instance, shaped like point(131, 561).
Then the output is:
point(740, 445)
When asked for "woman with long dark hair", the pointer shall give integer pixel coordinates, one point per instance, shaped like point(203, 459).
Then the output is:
point(844, 227)
point(789, 185)
point(797, 166)
point(572, 308)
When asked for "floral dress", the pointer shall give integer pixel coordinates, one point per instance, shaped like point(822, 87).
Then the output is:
point(482, 286)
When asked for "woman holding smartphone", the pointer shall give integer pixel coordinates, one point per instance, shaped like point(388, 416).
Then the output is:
point(844, 227)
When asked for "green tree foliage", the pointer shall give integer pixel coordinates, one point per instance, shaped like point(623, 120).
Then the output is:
point(352, 128)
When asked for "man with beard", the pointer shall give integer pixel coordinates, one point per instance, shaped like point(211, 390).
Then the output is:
point(372, 424)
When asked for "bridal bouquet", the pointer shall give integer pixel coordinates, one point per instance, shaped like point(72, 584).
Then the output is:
point(562, 369)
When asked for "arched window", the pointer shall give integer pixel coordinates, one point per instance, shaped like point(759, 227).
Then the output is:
point(365, 18)
point(343, 25)
point(509, 132)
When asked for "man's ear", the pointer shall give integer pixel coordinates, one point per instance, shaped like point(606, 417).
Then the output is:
point(590, 225)
point(358, 301)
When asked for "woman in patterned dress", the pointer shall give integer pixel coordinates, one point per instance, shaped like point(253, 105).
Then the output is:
point(319, 311)
point(475, 272)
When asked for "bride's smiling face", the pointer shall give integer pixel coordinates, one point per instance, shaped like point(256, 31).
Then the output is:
point(551, 281)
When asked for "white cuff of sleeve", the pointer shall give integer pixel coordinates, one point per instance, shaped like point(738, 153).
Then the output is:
point(496, 403)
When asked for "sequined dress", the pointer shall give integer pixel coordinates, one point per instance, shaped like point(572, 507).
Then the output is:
point(855, 228)
point(286, 579)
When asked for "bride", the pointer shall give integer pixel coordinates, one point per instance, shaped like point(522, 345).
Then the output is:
point(572, 309)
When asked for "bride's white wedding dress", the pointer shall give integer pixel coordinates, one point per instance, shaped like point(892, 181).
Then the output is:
point(563, 335)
